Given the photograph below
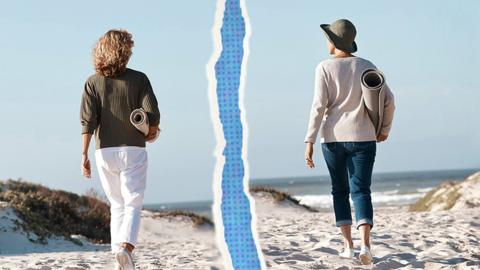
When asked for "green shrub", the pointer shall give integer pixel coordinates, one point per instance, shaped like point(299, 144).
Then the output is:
point(47, 212)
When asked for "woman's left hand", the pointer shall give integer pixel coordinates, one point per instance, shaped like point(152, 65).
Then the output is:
point(309, 155)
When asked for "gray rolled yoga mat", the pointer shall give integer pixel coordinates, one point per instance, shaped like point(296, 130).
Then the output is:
point(373, 89)
point(139, 120)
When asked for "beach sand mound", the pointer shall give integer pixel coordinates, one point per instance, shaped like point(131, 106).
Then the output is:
point(48, 213)
point(14, 239)
point(266, 197)
point(451, 195)
point(292, 238)
point(167, 240)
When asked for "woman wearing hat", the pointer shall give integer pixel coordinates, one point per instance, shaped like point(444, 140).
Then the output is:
point(348, 136)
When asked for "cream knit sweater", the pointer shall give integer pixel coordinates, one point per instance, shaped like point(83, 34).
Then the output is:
point(338, 111)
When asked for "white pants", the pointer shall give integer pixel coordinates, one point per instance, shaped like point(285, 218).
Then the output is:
point(123, 173)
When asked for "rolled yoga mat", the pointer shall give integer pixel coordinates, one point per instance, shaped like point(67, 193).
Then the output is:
point(373, 89)
point(139, 120)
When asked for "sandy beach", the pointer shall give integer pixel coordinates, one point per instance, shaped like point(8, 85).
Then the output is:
point(292, 237)
point(167, 243)
point(442, 233)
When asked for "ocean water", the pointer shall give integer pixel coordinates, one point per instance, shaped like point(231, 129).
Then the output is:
point(388, 189)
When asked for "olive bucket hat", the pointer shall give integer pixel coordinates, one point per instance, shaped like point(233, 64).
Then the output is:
point(342, 34)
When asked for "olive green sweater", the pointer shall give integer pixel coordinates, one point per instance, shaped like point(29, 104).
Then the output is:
point(107, 103)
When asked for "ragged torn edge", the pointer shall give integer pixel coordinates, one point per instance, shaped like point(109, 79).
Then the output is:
point(243, 118)
point(219, 136)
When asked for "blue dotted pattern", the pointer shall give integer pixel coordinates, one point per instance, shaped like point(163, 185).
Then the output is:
point(235, 205)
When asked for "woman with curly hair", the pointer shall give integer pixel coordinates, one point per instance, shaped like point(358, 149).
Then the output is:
point(109, 97)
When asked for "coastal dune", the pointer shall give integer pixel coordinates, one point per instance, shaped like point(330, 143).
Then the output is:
point(439, 231)
point(451, 195)
point(293, 237)
point(30, 239)
point(164, 243)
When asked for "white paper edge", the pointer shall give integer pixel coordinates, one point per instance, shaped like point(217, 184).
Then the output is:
point(243, 118)
point(219, 136)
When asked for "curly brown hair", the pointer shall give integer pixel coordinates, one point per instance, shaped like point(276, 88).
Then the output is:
point(112, 52)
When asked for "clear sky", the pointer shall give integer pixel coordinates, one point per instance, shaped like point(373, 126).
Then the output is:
point(427, 49)
point(46, 58)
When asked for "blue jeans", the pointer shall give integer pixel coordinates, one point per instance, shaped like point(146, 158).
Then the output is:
point(350, 165)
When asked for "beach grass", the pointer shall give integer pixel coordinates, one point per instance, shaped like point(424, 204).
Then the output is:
point(46, 212)
point(280, 196)
point(198, 220)
point(445, 195)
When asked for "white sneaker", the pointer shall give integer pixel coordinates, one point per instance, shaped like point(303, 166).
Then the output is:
point(365, 256)
point(347, 253)
point(125, 260)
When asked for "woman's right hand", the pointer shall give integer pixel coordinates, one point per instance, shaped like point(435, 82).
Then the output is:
point(85, 166)
point(152, 133)
point(309, 155)
point(382, 137)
